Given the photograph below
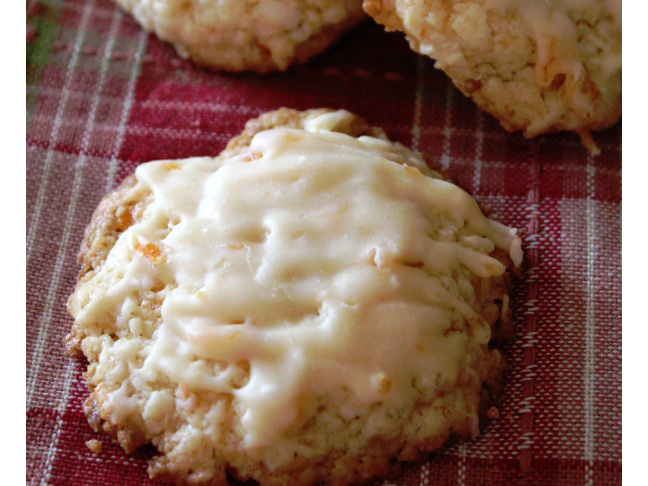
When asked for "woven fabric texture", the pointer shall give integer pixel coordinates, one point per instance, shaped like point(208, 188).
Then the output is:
point(104, 96)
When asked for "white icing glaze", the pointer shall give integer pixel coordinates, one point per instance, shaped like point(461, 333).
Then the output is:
point(293, 257)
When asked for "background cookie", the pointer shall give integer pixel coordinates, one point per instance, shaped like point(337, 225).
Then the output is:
point(536, 66)
point(240, 35)
point(311, 305)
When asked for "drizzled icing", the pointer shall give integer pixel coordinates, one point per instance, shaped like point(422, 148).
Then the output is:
point(320, 260)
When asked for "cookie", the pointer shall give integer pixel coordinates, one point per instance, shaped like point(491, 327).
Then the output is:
point(536, 66)
point(313, 305)
point(247, 35)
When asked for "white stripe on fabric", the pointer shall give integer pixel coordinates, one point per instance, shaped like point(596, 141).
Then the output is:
point(424, 477)
point(478, 151)
point(153, 104)
point(590, 322)
point(447, 127)
point(166, 132)
point(528, 370)
point(52, 451)
point(126, 108)
point(418, 102)
point(461, 466)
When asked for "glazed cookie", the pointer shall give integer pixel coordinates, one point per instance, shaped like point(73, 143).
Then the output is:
point(537, 66)
point(313, 305)
point(242, 35)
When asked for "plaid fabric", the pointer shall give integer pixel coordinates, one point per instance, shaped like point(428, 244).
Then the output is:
point(103, 96)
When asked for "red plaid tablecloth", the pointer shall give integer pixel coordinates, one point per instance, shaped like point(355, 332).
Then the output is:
point(103, 96)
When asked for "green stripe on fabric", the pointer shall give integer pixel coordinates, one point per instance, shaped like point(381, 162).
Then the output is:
point(39, 51)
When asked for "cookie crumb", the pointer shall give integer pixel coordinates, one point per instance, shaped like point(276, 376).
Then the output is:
point(589, 143)
point(94, 445)
point(492, 413)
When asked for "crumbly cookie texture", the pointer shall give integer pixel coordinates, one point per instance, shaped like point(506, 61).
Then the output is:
point(312, 306)
point(537, 66)
point(247, 35)
point(94, 445)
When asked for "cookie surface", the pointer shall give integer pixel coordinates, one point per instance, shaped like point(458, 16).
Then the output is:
point(313, 305)
point(242, 35)
point(536, 66)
